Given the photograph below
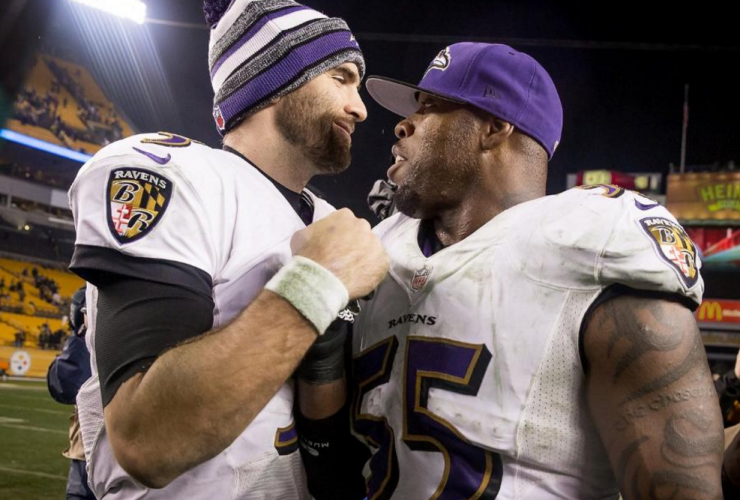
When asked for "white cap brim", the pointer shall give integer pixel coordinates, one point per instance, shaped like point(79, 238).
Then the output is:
point(398, 97)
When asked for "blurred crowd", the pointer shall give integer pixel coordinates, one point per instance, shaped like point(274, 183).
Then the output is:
point(44, 109)
point(36, 174)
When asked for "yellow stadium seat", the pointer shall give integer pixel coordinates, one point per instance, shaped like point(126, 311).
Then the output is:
point(12, 270)
point(93, 93)
point(68, 113)
point(30, 324)
point(7, 334)
point(33, 131)
point(41, 78)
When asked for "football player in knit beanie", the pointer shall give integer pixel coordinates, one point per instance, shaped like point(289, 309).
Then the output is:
point(260, 50)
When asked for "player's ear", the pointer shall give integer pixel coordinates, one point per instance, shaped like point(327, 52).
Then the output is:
point(274, 101)
point(494, 132)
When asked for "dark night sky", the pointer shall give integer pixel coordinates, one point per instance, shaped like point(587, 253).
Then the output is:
point(619, 67)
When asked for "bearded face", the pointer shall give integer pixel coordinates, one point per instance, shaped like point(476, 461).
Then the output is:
point(440, 165)
point(306, 119)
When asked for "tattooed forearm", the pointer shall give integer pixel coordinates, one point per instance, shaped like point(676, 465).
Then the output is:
point(652, 399)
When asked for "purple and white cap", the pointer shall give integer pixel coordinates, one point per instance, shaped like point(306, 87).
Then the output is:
point(494, 78)
point(263, 49)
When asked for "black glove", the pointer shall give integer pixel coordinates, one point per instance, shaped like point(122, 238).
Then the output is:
point(324, 361)
point(380, 199)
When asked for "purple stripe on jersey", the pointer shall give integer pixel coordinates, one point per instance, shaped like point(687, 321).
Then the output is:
point(287, 69)
point(287, 435)
point(250, 33)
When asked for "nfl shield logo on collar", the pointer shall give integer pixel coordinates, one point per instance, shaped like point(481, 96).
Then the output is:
point(420, 278)
point(137, 200)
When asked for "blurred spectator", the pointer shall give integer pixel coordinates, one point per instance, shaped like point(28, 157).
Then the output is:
point(728, 390)
point(66, 375)
point(44, 340)
point(56, 339)
point(20, 339)
point(731, 464)
point(41, 109)
point(48, 288)
point(45, 336)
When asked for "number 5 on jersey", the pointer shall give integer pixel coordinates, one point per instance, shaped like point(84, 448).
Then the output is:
point(470, 472)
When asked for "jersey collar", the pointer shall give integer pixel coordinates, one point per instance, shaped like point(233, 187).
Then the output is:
point(301, 202)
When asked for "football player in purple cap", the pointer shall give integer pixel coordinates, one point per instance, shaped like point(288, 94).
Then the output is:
point(524, 346)
point(214, 273)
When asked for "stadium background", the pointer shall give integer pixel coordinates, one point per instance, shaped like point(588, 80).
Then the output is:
point(75, 78)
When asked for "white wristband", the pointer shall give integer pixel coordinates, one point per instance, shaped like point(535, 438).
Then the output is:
point(312, 289)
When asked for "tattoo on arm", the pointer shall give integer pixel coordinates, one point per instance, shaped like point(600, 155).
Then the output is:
point(629, 450)
point(653, 401)
point(645, 338)
point(694, 358)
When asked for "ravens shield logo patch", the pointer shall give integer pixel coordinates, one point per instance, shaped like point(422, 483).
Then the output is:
point(674, 247)
point(137, 200)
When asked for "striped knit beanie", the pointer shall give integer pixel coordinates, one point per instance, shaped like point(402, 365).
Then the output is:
point(263, 49)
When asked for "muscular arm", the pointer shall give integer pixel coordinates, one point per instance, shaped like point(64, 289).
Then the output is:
point(650, 393)
point(198, 397)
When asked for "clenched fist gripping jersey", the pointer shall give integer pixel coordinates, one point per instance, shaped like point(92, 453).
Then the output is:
point(167, 209)
point(469, 378)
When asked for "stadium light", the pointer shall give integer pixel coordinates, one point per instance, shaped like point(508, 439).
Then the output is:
point(48, 147)
point(129, 9)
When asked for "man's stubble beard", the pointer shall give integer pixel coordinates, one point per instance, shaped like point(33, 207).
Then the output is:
point(440, 174)
point(306, 122)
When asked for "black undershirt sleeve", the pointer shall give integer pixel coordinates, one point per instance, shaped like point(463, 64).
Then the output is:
point(145, 306)
point(137, 320)
point(99, 265)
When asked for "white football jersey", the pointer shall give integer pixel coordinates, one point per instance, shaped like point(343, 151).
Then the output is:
point(469, 383)
point(163, 196)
